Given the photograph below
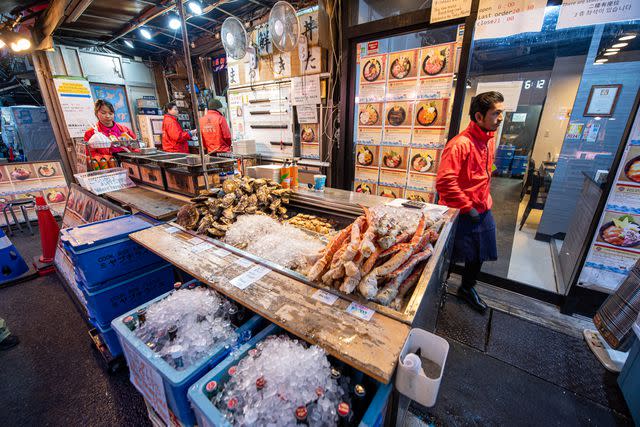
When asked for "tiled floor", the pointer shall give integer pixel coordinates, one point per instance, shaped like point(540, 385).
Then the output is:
point(531, 259)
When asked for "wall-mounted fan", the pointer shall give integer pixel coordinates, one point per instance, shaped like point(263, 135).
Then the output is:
point(284, 26)
point(234, 38)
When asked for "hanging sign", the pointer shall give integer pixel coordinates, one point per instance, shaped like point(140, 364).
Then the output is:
point(497, 18)
point(444, 10)
point(74, 94)
point(577, 13)
point(307, 113)
point(305, 90)
point(509, 90)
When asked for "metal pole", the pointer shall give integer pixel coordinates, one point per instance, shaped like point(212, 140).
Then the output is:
point(192, 86)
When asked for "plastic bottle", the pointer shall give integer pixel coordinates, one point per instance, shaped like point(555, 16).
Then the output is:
point(295, 182)
point(285, 174)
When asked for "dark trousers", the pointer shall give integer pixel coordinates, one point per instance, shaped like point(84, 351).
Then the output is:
point(470, 273)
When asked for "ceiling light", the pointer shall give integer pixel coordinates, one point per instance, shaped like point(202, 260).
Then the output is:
point(610, 53)
point(20, 45)
point(2, 44)
point(128, 43)
point(598, 63)
point(601, 60)
point(612, 50)
point(627, 37)
point(619, 45)
point(145, 33)
point(195, 8)
point(174, 23)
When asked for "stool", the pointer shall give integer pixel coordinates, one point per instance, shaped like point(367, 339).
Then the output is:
point(22, 204)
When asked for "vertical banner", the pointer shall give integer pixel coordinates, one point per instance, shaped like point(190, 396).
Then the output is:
point(74, 94)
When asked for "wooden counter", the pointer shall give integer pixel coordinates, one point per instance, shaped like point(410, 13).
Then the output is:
point(371, 346)
point(157, 204)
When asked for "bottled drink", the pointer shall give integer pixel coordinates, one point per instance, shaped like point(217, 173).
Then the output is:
point(172, 332)
point(191, 285)
point(301, 415)
point(129, 322)
point(285, 174)
point(177, 285)
point(359, 401)
point(261, 383)
point(95, 165)
point(112, 163)
point(142, 316)
point(103, 163)
point(295, 182)
point(176, 356)
point(345, 416)
point(210, 389)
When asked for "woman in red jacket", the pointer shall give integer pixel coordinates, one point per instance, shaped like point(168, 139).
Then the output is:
point(174, 138)
point(105, 113)
point(464, 182)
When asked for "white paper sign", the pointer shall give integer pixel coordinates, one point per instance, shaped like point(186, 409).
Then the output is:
point(444, 10)
point(360, 311)
point(305, 90)
point(76, 102)
point(499, 18)
point(243, 262)
point(576, 13)
point(171, 230)
point(325, 297)
point(194, 240)
point(249, 277)
point(201, 247)
point(509, 90)
point(148, 382)
point(221, 252)
point(307, 114)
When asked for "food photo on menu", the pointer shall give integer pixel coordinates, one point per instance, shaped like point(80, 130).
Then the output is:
point(621, 230)
point(366, 155)
point(436, 60)
point(372, 69)
point(364, 187)
point(369, 114)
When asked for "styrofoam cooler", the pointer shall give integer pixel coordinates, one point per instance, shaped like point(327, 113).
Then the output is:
point(126, 292)
point(102, 250)
point(164, 387)
point(208, 415)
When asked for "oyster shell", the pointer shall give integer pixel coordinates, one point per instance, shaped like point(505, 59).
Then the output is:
point(188, 216)
point(230, 185)
point(214, 232)
point(228, 213)
point(228, 200)
point(205, 223)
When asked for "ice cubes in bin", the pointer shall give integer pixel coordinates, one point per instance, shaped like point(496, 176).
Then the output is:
point(184, 326)
point(283, 381)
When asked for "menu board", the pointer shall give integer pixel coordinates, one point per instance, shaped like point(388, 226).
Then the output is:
point(30, 180)
point(402, 118)
point(615, 248)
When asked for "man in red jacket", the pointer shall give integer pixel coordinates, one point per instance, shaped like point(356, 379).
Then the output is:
point(216, 137)
point(463, 182)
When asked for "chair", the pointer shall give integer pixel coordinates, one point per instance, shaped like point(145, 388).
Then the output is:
point(538, 196)
point(526, 180)
point(22, 204)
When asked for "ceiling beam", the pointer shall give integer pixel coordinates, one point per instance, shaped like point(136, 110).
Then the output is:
point(76, 10)
point(201, 28)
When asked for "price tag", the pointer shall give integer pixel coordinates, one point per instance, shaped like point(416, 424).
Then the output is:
point(171, 230)
point(360, 311)
point(221, 252)
point(194, 240)
point(325, 297)
point(249, 277)
point(243, 262)
point(201, 247)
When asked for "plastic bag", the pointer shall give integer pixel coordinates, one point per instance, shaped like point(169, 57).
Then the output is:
point(99, 140)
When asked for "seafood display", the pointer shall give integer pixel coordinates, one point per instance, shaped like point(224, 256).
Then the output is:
point(213, 212)
point(311, 223)
point(391, 159)
point(427, 115)
point(623, 232)
point(381, 254)
point(283, 244)
point(364, 156)
point(368, 116)
point(421, 163)
point(372, 70)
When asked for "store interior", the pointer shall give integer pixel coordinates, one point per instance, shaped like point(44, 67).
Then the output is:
point(303, 271)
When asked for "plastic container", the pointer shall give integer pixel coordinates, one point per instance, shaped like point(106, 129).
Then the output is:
point(506, 151)
point(414, 383)
point(208, 415)
point(122, 295)
point(102, 250)
point(168, 395)
point(109, 338)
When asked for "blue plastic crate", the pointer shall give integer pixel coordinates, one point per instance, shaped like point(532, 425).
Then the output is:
point(502, 162)
point(629, 381)
point(109, 338)
point(172, 390)
point(506, 151)
point(122, 295)
point(209, 416)
point(102, 250)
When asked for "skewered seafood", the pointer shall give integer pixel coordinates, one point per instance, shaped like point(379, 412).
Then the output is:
point(213, 211)
point(381, 254)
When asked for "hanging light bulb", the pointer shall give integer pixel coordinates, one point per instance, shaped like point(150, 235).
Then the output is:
point(627, 37)
point(145, 33)
point(619, 45)
point(128, 43)
point(2, 44)
point(174, 23)
point(195, 7)
point(20, 45)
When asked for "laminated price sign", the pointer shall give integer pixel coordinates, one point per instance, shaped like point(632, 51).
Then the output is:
point(100, 182)
point(148, 382)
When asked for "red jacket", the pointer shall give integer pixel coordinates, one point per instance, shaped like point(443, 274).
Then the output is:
point(174, 139)
point(464, 174)
point(114, 133)
point(215, 132)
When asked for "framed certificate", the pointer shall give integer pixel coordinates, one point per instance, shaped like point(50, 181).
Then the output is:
point(602, 100)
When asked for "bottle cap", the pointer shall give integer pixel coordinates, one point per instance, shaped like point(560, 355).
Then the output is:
point(319, 391)
point(177, 285)
point(260, 383)
point(232, 403)
point(359, 390)
point(335, 374)
point(232, 370)
point(127, 319)
point(301, 413)
point(343, 409)
point(211, 386)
